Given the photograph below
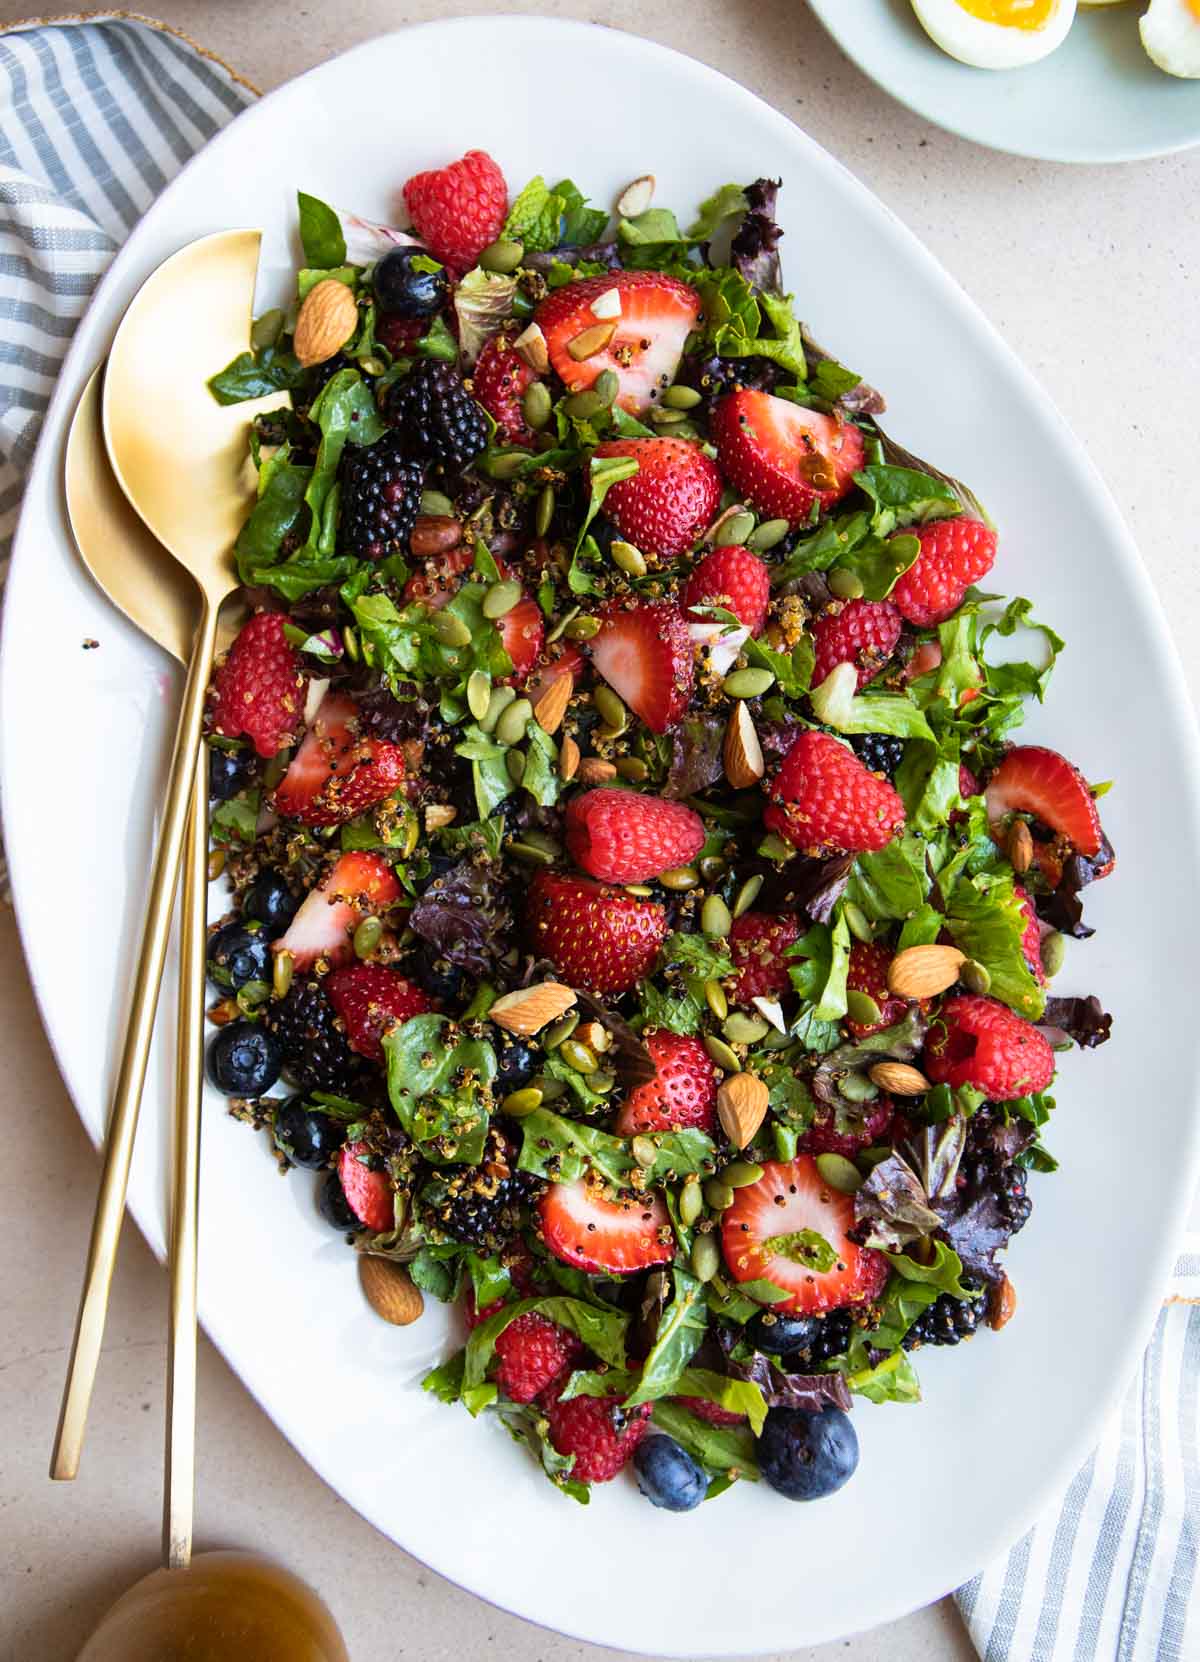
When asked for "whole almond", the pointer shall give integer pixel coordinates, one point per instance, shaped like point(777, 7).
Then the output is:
point(530, 346)
point(924, 971)
point(568, 758)
point(742, 753)
point(434, 534)
point(389, 1290)
point(594, 770)
point(742, 1107)
point(328, 317)
point(1020, 847)
point(551, 707)
point(530, 1009)
point(898, 1079)
point(1002, 1303)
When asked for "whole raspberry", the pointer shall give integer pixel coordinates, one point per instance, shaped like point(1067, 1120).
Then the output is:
point(867, 973)
point(623, 837)
point(823, 1136)
point(499, 382)
point(533, 1353)
point(370, 999)
point(823, 797)
point(598, 1432)
point(380, 499)
point(981, 1042)
point(259, 690)
point(458, 210)
point(757, 943)
point(954, 554)
point(733, 578)
point(864, 633)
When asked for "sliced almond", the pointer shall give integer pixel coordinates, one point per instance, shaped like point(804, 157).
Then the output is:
point(771, 1010)
point(924, 971)
point(1002, 1303)
point(743, 754)
point(899, 1079)
point(568, 759)
point(594, 770)
point(742, 1107)
point(551, 707)
point(530, 1009)
point(389, 1290)
point(590, 341)
point(636, 197)
point(1020, 847)
point(530, 346)
point(607, 305)
point(593, 1034)
point(327, 319)
point(439, 814)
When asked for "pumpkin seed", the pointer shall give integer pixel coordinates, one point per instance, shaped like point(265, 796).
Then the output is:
point(606, 386)
point(602, 1081)
point(718, 1195)
point(857, 922)
point(774, 847)
point(502, 256)
point(1054, 954)
point(631, 768)
point(584, 406)
point(503, 464)
point(847, 585)
point(526, 852)
point(628, 559)
point(578, 1056)
point(550, 1088)
point(610, 709)
point(714, 997)
point(734, 530)
point(976, 978)
point(747, 683)
point(721, 1054)
point(479, 693)
point(536, 405)
point(639, 891)
point(560, 1031)
point(679, 878)
point(561, 625)
point(711, 868)
point(522, 1102)
point(583, 628)
point(691, 1202)
point(515, 763)
point(856, 1087)
point(544, 512)
point(450, 629)
point(741, 1029)
point(434, 502)
point(747, 894)
point(350, 642)
point(510, 729)
point(281, 976)
point(216, 864)
point(372, 366)
point(251, 995)
point(840, 1174)
point(681, 398)
point(412, 831)
point(706, 1257)
point(862, 1008)
point(499, 600)
point(644, 1152)
point(715, 917)
point(500, 700)
point(768, 534)
point(367, 937)
point(663, 417)
point(741, 1173)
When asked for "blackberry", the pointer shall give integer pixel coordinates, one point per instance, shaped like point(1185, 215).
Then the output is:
point(316, 1053)
point(880, 752)
point(947, 1321)
point(480, 1206)
point(436, 418)
point(713, 376)
point(988, 1167)
point(831, 1337)
point(380, 499)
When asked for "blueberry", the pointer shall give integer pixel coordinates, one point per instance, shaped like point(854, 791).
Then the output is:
point(403, 291)
point(307, 1136)
point(781, 1335)
point(270, 902)
point(238, 953)
point(335, 1208)
point(667, 1475)
point(244, 1059)
point(806, 1455)
point(229, 771)
point(440, 978)
point(517, 1064)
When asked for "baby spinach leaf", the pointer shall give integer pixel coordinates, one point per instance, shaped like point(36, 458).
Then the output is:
point(564, 1150)
point(944, 1273)
point(439, 1081)
point(527, 1424)
point(890, 883)
point(602, 1331)
point(256, 374)
point(236, 819)
point(320, 232)
point(281, 487)
point(893, 1380)
point(681, 1327)
point(724, 1450)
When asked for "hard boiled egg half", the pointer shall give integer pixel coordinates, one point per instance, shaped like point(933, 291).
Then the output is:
point(998, 34)
point(1171, 36)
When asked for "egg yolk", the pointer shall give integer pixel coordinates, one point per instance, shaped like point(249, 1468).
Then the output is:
point(1017, 14)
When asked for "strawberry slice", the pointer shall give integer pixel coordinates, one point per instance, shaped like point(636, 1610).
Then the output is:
point(645, 653)
point(605, 1237)
point(1037, 781)
point(358, 886)
point(783, 457)
point(439, 577)
point(523, 632)
point(652, 316)
point(336, 773)
point(783, 1229)
point(368, 1193)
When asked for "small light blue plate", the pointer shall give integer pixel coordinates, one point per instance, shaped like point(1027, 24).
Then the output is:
point(1098, 98)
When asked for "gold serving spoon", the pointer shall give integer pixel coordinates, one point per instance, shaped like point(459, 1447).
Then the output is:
point(181, 460)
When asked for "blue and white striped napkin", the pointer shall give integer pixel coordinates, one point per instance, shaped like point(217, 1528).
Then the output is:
point(96, 117)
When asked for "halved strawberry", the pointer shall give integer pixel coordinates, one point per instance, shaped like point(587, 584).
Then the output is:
point(564, 658)
point(605, 1237)
point(669, 501)
point(645, 653)
point(1031, 935)
point(598, 938)
point(499, 382)
point(1034, 780)
point(336, 773)
point(652, 316)
point(360, 885)
point(783, 457)
point(439, 576)
point(370, 999)
point(523, 631)
point(683, 1095)
point(368, 1193)
point(783, 1228)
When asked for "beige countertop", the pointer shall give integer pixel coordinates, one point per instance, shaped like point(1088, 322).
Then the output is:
point(1091, 275)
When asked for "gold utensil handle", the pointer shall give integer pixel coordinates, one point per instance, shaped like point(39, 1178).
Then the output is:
point(179, 1486)
point(131, 1074)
